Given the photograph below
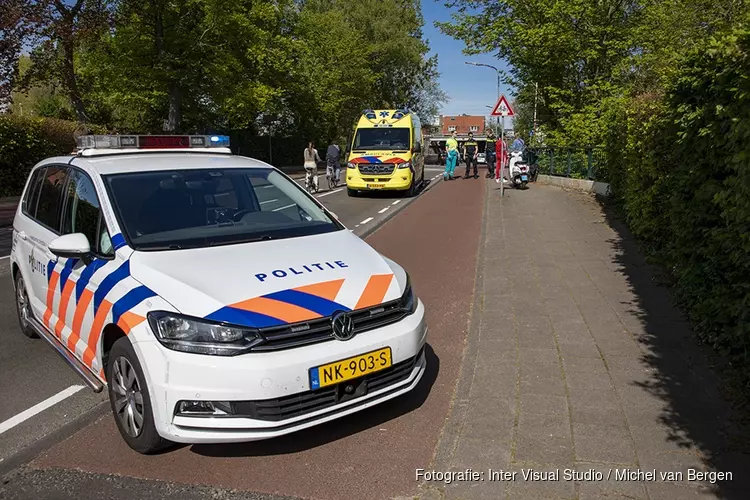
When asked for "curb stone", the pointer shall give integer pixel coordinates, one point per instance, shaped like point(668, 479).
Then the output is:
point(458, 410)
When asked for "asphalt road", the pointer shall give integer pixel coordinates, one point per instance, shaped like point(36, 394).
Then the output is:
point(44, 401)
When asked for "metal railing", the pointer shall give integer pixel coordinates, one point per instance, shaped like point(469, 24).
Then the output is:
point(574, 162)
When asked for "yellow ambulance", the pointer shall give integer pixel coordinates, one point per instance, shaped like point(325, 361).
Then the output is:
point(386, 153)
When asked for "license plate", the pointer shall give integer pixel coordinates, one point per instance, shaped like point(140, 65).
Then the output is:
point(524, 178)
point(347, 369)
point(375, 186)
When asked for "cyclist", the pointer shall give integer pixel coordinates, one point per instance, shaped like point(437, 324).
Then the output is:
point(311, 164)
point(471, 150)
point(333, 157)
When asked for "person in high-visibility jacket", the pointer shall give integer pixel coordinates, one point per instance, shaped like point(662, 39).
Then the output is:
point(501, 153)
point(451, 147)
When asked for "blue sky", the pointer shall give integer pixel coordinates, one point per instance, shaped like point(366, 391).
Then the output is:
point(469, 88)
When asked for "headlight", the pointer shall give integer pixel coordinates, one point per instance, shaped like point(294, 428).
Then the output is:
point(198, 336)
point(408, 299)
point(406, 164)
point(351, 165)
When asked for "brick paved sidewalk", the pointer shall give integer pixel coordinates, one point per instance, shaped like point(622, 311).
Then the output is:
point(576, 359)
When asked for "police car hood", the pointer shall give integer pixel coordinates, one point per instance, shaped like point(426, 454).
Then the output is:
point(274, 282)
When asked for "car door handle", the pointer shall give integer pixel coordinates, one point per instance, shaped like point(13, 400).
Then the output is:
point(22, 235)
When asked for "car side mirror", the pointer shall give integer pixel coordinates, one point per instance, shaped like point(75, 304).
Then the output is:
point(71, 246)
point(417, 148)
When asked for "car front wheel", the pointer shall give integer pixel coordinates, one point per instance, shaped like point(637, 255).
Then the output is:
point(130, 401)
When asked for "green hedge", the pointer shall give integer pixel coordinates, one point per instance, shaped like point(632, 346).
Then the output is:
point(26, 141)
point(679, 166)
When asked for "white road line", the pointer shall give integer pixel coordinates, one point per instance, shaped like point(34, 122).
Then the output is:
point(381, 211)
point(38, 408)
point(396, 202)
point(6, 257)
point(366, 220)
point(282, 208)
point(269, 201)
point(330, 192)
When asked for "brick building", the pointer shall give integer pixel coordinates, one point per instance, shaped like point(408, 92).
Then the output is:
point(462, 124)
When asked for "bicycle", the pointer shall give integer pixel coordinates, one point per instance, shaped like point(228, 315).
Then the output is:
point(310, 182)
point(333, 180)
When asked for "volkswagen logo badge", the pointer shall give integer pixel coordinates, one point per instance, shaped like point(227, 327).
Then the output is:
point(342, 325)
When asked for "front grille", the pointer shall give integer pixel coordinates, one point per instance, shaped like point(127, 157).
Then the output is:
point(376, 168)
point(307, 402)
point(319, 330)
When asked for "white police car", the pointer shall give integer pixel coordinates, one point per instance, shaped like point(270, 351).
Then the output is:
point(216, 299)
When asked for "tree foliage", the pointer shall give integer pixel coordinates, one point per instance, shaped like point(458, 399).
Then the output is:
point(274, 67)
point(14, 30)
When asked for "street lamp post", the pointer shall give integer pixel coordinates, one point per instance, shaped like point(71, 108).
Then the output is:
point(497, 121)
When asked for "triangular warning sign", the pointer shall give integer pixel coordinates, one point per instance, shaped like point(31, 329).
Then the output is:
point(502, 108)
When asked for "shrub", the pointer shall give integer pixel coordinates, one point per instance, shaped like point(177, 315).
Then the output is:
point(26, 141)
point(678, 165)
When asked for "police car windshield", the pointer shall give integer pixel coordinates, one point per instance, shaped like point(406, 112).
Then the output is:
point(192, 208)
point(382, 138)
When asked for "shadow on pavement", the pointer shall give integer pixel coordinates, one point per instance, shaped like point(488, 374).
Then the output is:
point(698, 418)
point(336, 429)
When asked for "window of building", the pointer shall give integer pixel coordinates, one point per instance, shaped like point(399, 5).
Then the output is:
point(473, 128)
point(452, 128)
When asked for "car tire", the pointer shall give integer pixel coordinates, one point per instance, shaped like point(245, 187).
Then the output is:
point(126, 386)
point(352, 192)
point(23, 308)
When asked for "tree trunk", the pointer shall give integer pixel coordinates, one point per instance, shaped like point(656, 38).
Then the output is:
point(69, 76)
point(174, 118)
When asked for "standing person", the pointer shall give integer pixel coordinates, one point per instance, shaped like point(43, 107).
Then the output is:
point(311, 165)
point(471, 151)
point(501, 151)
point(333, 158)
point(451, 148)
point(489, 149)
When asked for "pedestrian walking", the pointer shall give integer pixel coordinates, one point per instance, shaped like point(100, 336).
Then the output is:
point(451, 147)
point(471, 151)
point(311, 164)
point(490, 153)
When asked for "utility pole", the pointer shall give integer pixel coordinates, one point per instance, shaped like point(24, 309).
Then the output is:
point(536, 91)
point(498, 87)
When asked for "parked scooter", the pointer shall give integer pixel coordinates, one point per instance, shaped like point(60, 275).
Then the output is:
point(519, 170)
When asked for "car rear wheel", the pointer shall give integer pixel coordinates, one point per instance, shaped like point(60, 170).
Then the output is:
point(130, 401)
point(23, 308)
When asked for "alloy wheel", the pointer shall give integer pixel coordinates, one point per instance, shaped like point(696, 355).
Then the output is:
point(22, 303)
point(128, 396)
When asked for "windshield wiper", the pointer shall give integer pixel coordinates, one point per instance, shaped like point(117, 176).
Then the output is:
point(163, 247)
point(263, 237)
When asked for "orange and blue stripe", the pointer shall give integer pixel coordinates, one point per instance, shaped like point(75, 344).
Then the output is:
point(300, 304)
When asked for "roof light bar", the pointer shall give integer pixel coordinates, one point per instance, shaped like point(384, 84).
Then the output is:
point(152, 141)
